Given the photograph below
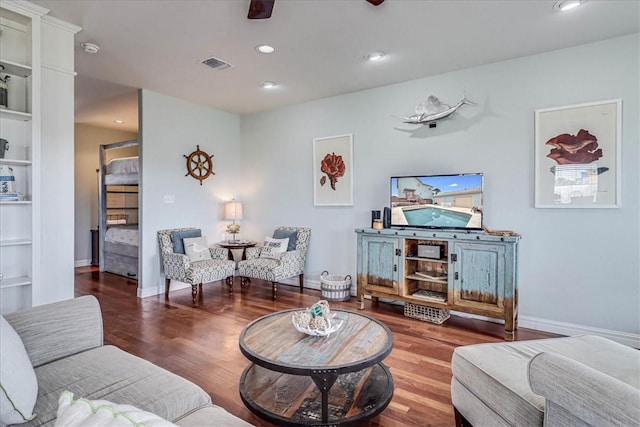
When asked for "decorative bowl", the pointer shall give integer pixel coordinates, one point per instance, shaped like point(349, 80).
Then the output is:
point(316, 320)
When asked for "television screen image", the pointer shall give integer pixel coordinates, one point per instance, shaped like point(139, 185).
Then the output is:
point(437, 201)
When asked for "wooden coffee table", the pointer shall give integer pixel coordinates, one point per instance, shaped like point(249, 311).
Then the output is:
point(297, 379)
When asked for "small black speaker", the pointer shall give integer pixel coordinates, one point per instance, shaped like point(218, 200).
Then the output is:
point(386, 218)
point(374, 215)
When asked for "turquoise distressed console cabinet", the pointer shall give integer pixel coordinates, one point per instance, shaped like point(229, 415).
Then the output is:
point(466, 272)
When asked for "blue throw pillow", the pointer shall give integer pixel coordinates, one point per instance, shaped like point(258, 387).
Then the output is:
point(178, 236)
point(291, 235)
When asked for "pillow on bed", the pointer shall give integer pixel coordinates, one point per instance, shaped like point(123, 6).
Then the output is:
point(197, 248)
point(178, 236)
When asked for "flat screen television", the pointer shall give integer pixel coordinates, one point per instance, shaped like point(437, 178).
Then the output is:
point(448, 202)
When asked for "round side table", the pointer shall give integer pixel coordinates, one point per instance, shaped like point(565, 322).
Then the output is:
point(237, 244)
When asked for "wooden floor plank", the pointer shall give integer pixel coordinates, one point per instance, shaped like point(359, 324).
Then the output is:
point(200, 341)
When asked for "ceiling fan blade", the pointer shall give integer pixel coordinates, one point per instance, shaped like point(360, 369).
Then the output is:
point(260, 9)
point(376, 2)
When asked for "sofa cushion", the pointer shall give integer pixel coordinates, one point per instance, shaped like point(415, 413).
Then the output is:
point(18, 383)
point(178, 236)
point(497, 374)
point(112, 374)
point(85, 412)
point(211, 415)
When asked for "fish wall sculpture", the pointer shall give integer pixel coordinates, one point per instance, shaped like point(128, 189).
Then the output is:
point(432, 110)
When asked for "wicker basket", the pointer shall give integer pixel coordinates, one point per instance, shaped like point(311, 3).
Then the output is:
point(335, 288)
point(428, 314)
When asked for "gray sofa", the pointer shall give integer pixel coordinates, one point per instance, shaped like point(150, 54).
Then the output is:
point(64, 342)
point(574, 381)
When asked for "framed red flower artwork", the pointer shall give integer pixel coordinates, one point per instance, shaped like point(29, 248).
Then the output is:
point(577, 155)
point(333, 171)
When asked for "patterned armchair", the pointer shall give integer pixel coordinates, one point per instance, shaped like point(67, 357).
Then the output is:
point(289, 265)
point(178, 266)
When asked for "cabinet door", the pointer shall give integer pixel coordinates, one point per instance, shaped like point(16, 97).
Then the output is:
point(379, 258)
point(479, 276)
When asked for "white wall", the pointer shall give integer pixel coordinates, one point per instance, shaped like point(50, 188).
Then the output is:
point(87, 146)
point(170, 129)
point(577, 266)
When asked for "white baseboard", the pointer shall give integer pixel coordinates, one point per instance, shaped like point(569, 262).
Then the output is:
point(153, 291)
point(571, 329)
point(82, 263)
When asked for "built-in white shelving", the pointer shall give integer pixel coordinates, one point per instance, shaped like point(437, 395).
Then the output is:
point(15, 282)
point(20, 23)
point(15, 68)
point(15, 242)
point(15, 115)
point(36, 52)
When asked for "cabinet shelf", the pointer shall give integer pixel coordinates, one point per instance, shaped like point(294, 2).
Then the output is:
point(15, 115)
point(122, 208)
point(15, 242)
point(14, 162)
point(415, 258)
point(15, 68)
point(14, 282)
point(430, 296)
point(15, 202)
point(427, 279)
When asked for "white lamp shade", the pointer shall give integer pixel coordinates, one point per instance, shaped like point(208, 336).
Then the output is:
point(233, 211)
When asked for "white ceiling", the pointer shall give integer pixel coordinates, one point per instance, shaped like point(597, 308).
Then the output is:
point(320, 46)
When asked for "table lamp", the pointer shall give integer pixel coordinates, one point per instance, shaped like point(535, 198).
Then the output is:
point(233, 211)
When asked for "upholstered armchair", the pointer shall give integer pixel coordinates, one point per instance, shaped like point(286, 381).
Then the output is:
point(179, 266)
point(259, 265)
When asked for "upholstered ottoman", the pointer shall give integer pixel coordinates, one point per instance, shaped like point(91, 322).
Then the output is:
point(494, 384)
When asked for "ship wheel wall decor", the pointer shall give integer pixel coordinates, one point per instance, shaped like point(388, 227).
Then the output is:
point(199, 165)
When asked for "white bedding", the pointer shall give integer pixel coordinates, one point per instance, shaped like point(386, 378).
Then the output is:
point(123, 165)
point(121, 179)
point(128, 236)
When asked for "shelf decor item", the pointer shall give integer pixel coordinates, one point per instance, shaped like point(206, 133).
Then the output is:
point(4, 94)
point(577, 155)
point(4, 147)
point(316, 320)
point(7, 181)
point(426, 313)
point(233, 212)
point(199, 165)
point(333, 171)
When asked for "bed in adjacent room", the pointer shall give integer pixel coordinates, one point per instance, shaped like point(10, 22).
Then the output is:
point(119, 227)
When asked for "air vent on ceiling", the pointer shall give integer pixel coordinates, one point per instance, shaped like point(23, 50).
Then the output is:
point(216, 63)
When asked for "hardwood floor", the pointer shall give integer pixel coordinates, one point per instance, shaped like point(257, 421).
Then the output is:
point(200, 341)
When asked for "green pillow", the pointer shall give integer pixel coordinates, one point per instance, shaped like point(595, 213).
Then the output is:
point(291, 235)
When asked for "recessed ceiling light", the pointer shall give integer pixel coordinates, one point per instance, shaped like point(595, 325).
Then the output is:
point(565, 5)
point(118, 121)
point(90, 47)
point(265, 48)
point(375, 55)
point(268, 85)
